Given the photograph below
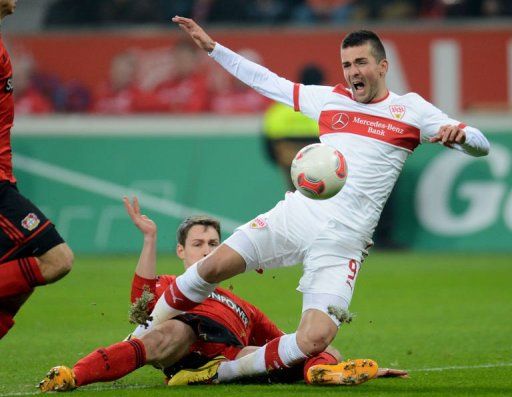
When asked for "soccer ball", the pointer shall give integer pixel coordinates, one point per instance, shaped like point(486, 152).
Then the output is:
point(319, 171)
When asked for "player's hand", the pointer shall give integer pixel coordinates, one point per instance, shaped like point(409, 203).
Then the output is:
point(196, 32)
point(448, 135)
point(391, 373)
point(143, 223)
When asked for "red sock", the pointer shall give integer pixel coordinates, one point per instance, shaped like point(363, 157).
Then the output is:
point(272, 359)
point(110, 363)
point(6, 323)
point(19, 277)
point(176, 299)
point(322, 358)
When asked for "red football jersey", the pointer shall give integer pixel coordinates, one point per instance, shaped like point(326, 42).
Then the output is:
point(249, 324)
point(6, 115)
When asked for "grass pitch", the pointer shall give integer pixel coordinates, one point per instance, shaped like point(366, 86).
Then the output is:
point(445, 318)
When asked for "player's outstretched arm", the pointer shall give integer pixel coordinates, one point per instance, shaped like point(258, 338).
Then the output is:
point(146, 267)
point(468, 139)
point(196, 32)
point(449, 134)
point(256, 76)
point(142, 222)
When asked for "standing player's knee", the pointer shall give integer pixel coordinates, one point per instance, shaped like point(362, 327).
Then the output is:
point(56, 263)
point(63, 261)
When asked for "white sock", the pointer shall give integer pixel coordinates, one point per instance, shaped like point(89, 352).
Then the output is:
point(289, 350)
point(193, 286)
point(249, 365)
point(282, 352)
point(190, 289)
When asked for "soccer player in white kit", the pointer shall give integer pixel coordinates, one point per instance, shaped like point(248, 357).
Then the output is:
point(376, 130)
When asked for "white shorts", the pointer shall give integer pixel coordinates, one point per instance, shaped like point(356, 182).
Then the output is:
point(290, 234)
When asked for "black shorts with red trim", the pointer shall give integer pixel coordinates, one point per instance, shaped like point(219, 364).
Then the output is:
point(24, 229)
point(213, 339)
point(208, 330)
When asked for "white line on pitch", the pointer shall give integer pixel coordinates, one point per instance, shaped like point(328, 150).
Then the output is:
point(101, 388)
point(111, 190)
point(127, 387)
point(461, 367)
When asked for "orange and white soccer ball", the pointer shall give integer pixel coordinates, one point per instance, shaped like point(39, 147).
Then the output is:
point(319, 171)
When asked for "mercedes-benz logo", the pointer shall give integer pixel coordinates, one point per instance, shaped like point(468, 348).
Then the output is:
point(340, 121)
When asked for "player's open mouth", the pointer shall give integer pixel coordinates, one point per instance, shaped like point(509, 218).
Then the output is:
point(358, 87)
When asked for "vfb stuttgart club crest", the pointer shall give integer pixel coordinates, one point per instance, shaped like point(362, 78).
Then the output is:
point(397, 111)
point(30, 222)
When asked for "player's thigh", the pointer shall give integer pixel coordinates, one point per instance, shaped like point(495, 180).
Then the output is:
point(267, 241)
point(328, 283)
point(168, 342)
point(24, 229)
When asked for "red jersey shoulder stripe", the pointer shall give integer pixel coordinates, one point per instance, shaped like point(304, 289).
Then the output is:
point(342, 90)
point(296, 91)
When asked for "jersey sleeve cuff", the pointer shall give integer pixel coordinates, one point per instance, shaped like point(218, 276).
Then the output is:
point(139, 283)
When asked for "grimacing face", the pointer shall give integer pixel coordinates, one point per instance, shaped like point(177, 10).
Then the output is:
point(363, 74)
point(200, 241)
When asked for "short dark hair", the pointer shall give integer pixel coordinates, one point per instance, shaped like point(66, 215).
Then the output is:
point(188, 223)
point(361, 37)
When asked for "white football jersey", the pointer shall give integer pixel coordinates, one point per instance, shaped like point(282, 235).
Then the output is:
point(375, 138)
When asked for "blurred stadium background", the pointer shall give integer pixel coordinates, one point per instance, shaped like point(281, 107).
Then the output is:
point(112, 100)
point(111, 97)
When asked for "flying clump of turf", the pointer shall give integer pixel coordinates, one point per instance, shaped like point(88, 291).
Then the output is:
point(139, 313)
point(342, 315)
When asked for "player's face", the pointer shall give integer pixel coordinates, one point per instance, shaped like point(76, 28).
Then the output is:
point(364, 75)
point(200, 241)
point(7, 7)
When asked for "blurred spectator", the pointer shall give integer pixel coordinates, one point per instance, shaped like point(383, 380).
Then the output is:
point(104, 12)
point(186, 90)
point(116, 12)
point(222, 10)
point(130, 11)
point(465, 8)
point(317, 11)
point(72, 13)
point(496, 8)
point(269, 11)
point(120, 94)
point(230, 96)
point(287, 131)
point(74, 98)
point(168, 9)
point(398, 9)
point(432, 9)
point(28, 98)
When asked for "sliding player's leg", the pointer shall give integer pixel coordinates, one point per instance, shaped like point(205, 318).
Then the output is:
point(163, 346)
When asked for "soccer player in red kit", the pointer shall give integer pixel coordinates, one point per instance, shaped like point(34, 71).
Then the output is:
point(224, 325)
point(32, 252)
